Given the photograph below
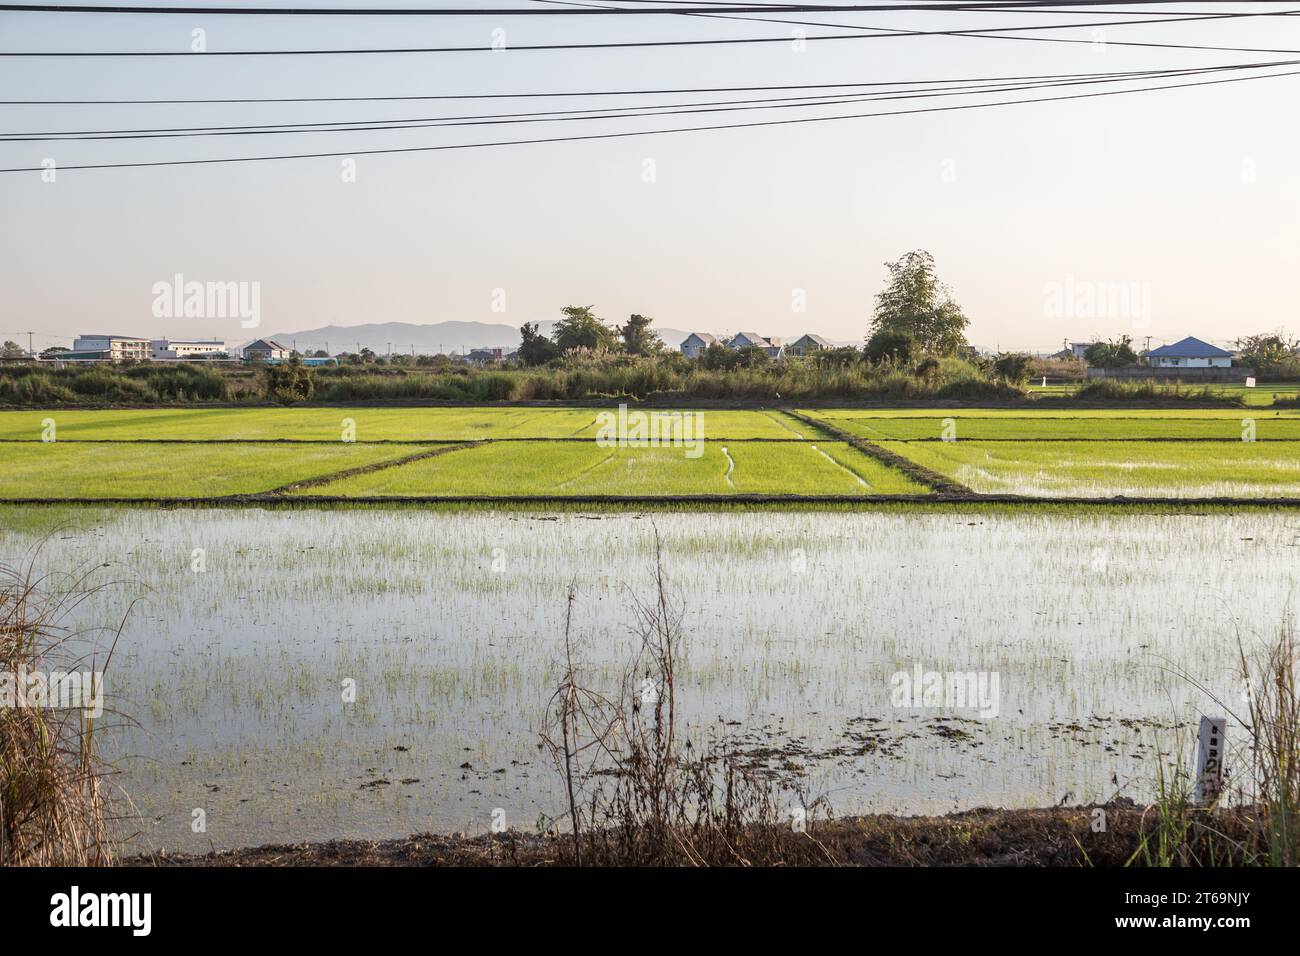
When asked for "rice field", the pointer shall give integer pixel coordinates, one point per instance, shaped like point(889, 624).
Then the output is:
point(363, 424)
point(558, 469)
point(1102, 470)
point(60, 470)
point(558, 452)
point(448, 624)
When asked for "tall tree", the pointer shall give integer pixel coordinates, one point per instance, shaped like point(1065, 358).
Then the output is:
point(638, 338)
point(581, 328)
point(534, 348)
point(916, 304)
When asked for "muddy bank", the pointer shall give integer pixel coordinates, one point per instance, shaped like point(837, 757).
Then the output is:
point(1109, 835)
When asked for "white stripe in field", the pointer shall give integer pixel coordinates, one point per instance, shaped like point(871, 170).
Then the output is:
point(862, 481)
point(731, 466)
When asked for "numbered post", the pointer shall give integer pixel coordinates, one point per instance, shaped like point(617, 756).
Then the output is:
point(1209, 760)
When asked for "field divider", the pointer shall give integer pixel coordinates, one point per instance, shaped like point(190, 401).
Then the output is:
point(367, 469)
point(941, 484)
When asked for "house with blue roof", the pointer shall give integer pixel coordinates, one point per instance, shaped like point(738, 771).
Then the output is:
point(1191, 352)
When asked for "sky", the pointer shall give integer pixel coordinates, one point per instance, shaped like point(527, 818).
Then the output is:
point(1159, 214)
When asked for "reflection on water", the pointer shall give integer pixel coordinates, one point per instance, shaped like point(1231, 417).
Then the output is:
point(252, 626)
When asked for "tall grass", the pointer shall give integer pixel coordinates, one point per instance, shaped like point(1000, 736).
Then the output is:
point(639, 790)
point(52, 780)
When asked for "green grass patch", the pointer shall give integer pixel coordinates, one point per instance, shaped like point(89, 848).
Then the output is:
point(371, 424)
point(1059, 428)
point(1096, 469)
point(173, 471)
point(560, 469)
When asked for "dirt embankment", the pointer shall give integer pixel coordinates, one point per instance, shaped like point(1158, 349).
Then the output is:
point(1109, 835)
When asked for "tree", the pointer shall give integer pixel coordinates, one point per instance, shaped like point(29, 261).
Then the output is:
point(582, 329)
point(889, 345)
point(1269, 352)
point(290, 381)
point(54, 351)
point(917, 304)
point(1014, 367)
point(638, 339)
point(534, 348)
point(717, 357)
point(1114, 354)
point(12, 350)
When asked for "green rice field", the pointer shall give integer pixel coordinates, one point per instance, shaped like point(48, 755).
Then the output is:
point(573, 468)
point(554, 452)
point(1102, 470)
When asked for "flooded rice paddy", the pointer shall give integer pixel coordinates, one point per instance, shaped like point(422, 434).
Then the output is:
point(250, 626)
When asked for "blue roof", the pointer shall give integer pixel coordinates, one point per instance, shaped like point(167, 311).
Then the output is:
point(1190, 347)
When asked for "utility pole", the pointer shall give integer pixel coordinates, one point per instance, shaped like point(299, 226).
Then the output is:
point(30, 350)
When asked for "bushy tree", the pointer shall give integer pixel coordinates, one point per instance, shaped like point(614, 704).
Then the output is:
point(12, 350)
point(890, 345)
point(917, 304)
point(581, 328)
point(717, 357)
point(638, 338)
point(535, 348)
point(1014, 367)
point(289, 382)
point(1113, 354)
point(1270, 353)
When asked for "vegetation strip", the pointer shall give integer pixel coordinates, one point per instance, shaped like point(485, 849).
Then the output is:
point(366, 469)
point(1163, 505)
point(940, 483)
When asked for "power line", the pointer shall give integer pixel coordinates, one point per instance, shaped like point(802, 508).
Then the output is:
point(738, 7)
point(555, 116)
point(626, 134)
point(729, 41)
point(599, 93)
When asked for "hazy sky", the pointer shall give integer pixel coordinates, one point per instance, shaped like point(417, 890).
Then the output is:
point(1162, 214)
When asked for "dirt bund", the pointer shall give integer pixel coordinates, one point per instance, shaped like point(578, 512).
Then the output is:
point(1096, 835)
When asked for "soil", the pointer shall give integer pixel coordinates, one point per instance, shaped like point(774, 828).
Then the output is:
point(1100, 835)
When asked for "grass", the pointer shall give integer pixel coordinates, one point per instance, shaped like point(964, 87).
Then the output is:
point(1058, 428)
point(60, 470)
point(52, 780)
point(582, 468)
point(371, 424)
point(1092, 469)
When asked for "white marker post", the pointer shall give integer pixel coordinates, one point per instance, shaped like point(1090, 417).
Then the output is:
point(1209, 760)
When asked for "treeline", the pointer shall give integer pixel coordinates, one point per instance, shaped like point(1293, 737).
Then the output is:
point(114, 384)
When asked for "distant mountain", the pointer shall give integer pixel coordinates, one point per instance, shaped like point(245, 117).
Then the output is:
point(447, 337)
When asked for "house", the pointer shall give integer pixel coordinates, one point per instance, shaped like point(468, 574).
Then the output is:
point(808, 344)
point(1191, 352)
point(164, 349)
point(107, 348)
point(1080, 349)
point(697, 343)
point(744, 340)
point(266, 350)
point(483, 356)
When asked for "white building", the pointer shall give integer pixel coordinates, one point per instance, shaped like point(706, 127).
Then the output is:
point(266, 350)
point(1189, 353)
point(111, 348)
point(697, 343)
point(187, 348)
